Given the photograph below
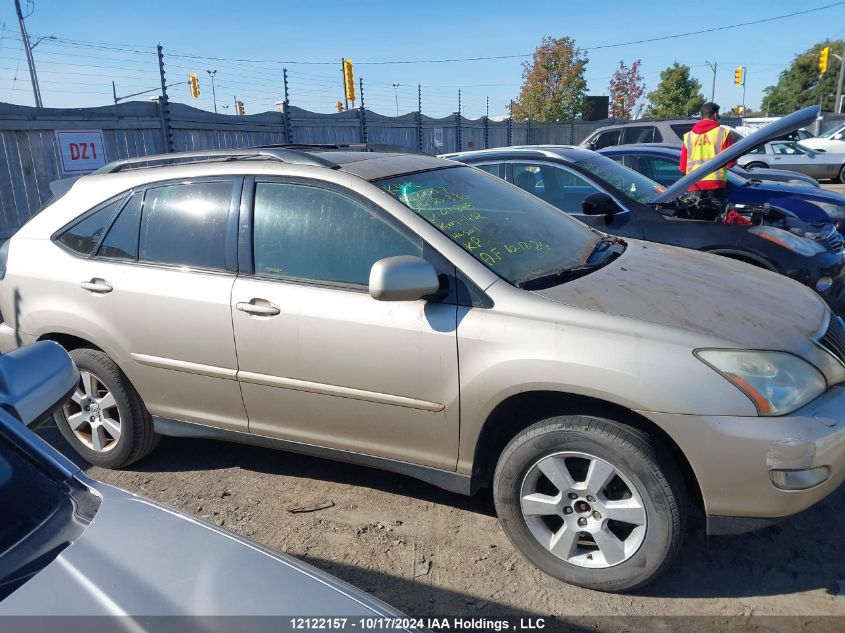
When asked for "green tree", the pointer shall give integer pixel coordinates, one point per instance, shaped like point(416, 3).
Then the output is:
point(553, 86)
point(801, 84)
point(677, 95)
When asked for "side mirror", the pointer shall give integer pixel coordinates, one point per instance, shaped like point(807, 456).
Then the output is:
point(600, 203)
point(402, 278)
point(35, 380)
point(837, 136)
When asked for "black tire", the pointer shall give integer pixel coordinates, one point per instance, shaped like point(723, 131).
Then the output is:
point(756, 166)
point(647, 465)
point(841, 176)
point(137, 436)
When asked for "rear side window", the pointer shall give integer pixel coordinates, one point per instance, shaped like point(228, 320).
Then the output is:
point(121, 242)
point(185, 225)
point(639, 134)
point(82, 237)
point(681, 128)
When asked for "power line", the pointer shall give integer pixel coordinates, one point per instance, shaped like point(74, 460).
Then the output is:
point(146, 50)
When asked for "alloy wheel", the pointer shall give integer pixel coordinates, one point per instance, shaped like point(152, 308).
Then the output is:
point(583, 510)
point(92, 414)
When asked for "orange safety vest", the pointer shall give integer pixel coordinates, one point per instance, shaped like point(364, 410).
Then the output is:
point(703, 147)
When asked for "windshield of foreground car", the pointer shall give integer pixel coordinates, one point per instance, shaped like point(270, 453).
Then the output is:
point(515, 234)
point(626, 181)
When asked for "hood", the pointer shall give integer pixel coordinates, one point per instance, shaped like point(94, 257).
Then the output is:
point(783, 125)
point(678, 288)
point(140, 559)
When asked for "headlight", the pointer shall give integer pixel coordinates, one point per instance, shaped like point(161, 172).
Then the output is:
point(789, 241)
point(777, 382)
point(833, 210)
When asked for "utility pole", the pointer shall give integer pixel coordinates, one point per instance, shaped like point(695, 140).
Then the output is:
point(713, 67)
point(211, 74)
point(114, 92)
point(744, 81)
point(837, 107)
point(33, 77)
point(396, 96)
point(362, 111)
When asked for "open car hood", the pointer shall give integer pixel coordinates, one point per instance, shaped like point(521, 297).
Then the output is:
point(782, 126)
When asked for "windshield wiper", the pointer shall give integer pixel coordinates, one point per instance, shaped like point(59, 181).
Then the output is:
point(605, 251)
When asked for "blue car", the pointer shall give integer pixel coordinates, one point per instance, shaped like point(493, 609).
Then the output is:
point(660, 163)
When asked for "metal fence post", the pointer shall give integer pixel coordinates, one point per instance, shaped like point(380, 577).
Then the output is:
point(487, 125)
point(458, 142)
point(286, 120)
point(164, 104)
point(528, 131)
point(362, 111)
point(419, 118)
point(510, 124)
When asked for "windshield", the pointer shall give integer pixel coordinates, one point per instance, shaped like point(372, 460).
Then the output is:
point(626, 181)
point(27, 495)
point(834, 130)
point(514, 234)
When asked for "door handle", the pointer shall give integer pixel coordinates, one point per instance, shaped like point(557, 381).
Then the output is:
point(258, 309)
point(100, 286)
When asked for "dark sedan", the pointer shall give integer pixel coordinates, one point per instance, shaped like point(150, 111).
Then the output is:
point(661, 163)
point(617, 200)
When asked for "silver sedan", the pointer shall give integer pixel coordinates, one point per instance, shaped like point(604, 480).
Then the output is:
point(791, 156)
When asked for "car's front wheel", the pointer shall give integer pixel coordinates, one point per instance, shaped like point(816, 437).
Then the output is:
point(841, 176)
point(756, 166)
point(592, 502)
point(105, 420)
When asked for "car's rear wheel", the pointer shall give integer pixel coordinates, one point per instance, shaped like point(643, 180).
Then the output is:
point(592, 502)
point(756, 166)
point(104, 420)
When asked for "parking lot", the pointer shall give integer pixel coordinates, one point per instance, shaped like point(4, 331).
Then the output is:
point(429, 551)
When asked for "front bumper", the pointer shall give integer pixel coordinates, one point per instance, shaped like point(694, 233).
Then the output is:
point(733, 458)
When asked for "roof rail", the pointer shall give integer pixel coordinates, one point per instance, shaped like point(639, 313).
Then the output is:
point(282, 154)
point(353, 147)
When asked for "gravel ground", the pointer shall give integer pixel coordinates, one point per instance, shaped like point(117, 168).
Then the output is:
point(433, 553)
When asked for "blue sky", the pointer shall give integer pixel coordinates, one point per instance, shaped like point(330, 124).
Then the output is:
point(79, 73)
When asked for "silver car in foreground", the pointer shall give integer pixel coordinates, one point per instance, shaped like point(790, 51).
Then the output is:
point(421, 316)
point(73, 546)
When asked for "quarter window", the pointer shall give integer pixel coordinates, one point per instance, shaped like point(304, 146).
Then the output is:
point(83, 236)
point(121, 242)
point(185, 225)
point(305, 232)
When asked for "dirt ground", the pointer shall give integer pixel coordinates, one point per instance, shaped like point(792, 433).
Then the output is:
point(432, 553)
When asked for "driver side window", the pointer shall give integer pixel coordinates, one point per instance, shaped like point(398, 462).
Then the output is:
point(560, 187)
point(314, 234)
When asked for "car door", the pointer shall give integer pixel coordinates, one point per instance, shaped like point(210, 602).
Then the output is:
point(319, 360)
point(638, 134)
point(566, 189)
point(162, 278)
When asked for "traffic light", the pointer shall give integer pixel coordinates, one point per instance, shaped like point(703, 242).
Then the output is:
point(340, 106)
point(823, 55)
point(348, 80)
point(239, 107)
point(194, 85)
point(738, 75)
